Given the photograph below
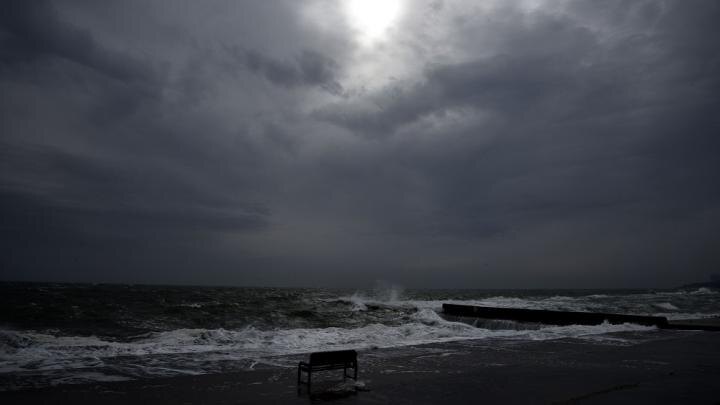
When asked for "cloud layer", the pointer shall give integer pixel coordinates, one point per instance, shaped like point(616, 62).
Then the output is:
point(552, 144)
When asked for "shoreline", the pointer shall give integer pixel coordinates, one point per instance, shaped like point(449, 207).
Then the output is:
point(671, 367)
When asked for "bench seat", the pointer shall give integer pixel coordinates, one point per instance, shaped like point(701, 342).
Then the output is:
point(324, 361)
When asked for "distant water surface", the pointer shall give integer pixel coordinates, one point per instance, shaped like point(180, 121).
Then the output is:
point(70, 333)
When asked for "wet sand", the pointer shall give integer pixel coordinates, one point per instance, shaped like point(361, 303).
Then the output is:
point(673, 367)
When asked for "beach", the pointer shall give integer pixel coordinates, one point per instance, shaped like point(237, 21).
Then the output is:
point(669, 367)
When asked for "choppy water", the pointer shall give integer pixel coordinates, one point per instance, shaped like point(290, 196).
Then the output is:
point(65, 333)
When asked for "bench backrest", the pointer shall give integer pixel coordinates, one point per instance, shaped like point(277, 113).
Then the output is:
point(336, 357)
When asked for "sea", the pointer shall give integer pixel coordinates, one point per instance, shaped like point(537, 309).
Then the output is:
point(52, 334)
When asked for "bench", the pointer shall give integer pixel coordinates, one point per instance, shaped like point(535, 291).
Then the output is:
point(321, 361)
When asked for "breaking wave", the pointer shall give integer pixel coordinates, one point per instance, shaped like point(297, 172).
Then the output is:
point(32, 351)
point(167, 331)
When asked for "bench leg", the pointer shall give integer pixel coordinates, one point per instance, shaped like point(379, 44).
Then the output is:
point(299, 378)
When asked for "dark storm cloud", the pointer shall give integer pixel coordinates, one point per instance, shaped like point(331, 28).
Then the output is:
point(310, 68)
point(485, 145)
point(551, 60)
point(585, 136)
point(501, 83)
point(32, 31)
point(88, 215)
point(139, 191)
point(570, 105)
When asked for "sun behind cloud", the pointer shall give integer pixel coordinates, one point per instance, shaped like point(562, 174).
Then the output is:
point(372, 19)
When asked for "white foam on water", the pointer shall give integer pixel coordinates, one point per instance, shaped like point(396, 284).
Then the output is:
point(699, 291)
point(704, 291)
point(43, 352)
point(666, 305)
point(80, 357)
point(358, 302)
point(674, 316)
point(83, 377)
point(671, 305)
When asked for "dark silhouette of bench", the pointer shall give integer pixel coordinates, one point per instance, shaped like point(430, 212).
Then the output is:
point(322, 361)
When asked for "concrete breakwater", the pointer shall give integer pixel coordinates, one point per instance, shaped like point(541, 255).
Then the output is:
point(572, 318)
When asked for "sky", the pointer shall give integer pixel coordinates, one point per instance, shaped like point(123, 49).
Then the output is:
point(435, 144)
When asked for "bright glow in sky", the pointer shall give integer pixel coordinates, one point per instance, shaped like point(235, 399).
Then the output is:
point(372, 18)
